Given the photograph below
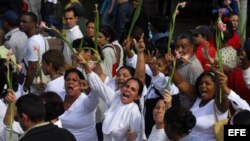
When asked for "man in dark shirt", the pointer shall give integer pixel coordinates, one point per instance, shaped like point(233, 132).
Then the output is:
point(31, 113)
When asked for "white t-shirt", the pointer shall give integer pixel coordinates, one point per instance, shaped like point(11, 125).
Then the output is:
point(30, 50)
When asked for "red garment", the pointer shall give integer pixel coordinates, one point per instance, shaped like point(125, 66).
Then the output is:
point(237, 84)
point(199, 55)
point(25, 6)
point(114, 67)
point(234, 41)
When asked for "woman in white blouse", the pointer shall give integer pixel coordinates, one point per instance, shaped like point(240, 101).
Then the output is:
point(79, 115)
point(206, 101)
point(123, 114)
point(162, 105)
point(52, 63)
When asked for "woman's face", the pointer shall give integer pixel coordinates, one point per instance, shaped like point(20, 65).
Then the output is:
point(184, 47)
point(90, 30)
point(235, 21)
point(73, 84)
point(207, 88)
point(129, 92)
point(45, 67)
point(102, 40)
point(161, 65)
point(159, 111)
point(122, 76)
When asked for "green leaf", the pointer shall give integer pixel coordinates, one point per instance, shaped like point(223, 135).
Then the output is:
point(135, 17)
point(171, 75)
point(96, 27)
point(80, 46)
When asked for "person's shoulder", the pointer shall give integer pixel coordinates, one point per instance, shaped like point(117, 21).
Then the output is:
point(63, 133)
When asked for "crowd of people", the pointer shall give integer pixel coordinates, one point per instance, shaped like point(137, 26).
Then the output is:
point(126, 89)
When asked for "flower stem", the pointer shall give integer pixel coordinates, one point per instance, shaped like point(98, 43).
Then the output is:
point(96, 27)
point(9, 83)
point(218, 38)
point(135, 17)
point(171, 75)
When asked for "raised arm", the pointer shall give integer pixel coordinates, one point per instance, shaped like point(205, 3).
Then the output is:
point(127, 47)
point(221, 100)
point(159, 80)
point(97, 86)
point(140, 66)
point(30, 75)
point(11, 99)
point(178, 80)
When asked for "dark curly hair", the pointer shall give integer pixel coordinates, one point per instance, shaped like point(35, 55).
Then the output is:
point(53, 104)
point(211, 74)
point(180, 119)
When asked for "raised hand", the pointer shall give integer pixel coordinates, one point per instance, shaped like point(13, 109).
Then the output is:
point(127, 43)
point(140, 45)
point(11, 96)
point(205, 52)
point(222, 80)
point(79, 58)
point(85, 86)
point(167, 99)
point(169, 58)
point(153, 66)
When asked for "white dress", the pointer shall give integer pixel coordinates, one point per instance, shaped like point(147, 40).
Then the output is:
point(79, 119)
point(119, 117)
